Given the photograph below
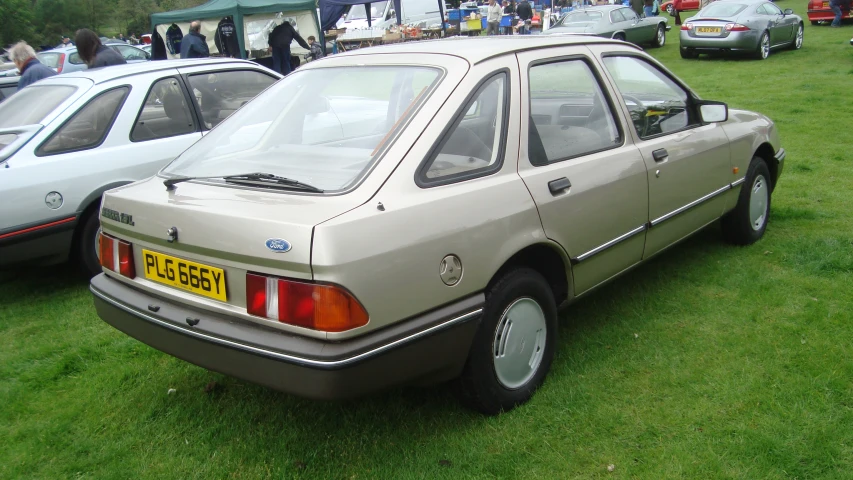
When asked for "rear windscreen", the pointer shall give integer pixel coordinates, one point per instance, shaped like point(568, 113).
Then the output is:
point(721, 10)
point(30, 105)
point(49, 59)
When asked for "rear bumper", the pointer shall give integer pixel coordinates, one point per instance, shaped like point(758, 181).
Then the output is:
point(780, 162)
point(827, 15)
point(430, 348)
point(735, 41)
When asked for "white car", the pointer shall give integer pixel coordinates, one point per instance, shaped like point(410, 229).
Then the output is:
point(67, 139)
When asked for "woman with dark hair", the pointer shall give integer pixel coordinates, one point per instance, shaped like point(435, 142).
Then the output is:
point(95, 54)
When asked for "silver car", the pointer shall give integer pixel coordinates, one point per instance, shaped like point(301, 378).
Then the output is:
point(754, 27)
point(66, 139)
point(415, 213)
point(613, 21)
point(67, 60)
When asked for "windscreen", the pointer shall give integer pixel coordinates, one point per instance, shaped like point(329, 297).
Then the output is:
point(580, 17)
point(324, 127)
point(721, 10)
point(30, 105)
point(356, 12)
point(49, 59)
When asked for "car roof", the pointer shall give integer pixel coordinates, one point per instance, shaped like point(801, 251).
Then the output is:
point(101, 75)
point(479, 49)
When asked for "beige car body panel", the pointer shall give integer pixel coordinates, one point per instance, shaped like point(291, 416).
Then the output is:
point(389, 258)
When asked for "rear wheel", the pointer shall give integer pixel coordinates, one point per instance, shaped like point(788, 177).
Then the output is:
point(87, 244)
point(763, 49)
point(815, 23)
point(514, 345)
point(660, 37)
point(748, 221)
point(670, 9)
point(797, 43)
point(688, 53)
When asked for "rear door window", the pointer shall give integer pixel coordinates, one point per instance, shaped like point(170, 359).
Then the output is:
point(616, 16)
point(75, 59)
point(88, 127)
point(219, 94)
point(165, 113)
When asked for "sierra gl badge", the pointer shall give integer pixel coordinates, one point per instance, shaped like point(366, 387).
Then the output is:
point(278, 245)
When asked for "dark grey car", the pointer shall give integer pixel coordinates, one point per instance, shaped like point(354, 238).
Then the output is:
point(613, 21)
point(742, 26)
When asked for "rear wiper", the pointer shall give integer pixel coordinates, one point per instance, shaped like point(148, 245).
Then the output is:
point(268, 179)
point(261, 179)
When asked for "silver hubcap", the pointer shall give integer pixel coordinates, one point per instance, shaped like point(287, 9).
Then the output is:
point(758, 203)
point(670, 9)
point(661, 36)
point(799, 40)
point(765, 46)
point(519, 343)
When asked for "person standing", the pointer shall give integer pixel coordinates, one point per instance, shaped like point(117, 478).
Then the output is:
point(93, 53)
point(316, 52)
point(836, 6)
point(493, 18)
point(66, 42)
point(525, 13)
point(121, 38)
point(279, 45)
point(31, 69)
point(194, 45)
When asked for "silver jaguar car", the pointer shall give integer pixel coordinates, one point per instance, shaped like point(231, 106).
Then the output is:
point(415, 213)
point(753, 27)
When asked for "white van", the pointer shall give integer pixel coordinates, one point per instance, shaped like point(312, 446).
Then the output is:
point(425, 12)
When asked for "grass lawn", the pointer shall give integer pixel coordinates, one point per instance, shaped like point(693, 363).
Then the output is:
point(709, 362)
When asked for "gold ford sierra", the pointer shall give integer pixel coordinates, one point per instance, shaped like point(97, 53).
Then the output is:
point(416, 213)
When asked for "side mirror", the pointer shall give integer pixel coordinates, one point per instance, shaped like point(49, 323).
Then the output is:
point(788, 11)
point(713, 112)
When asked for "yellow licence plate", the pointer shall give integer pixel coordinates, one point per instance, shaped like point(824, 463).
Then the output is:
point(708, 29)
point(825, 4)
point(184, 274)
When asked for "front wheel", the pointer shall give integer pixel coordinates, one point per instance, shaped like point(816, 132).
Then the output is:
point(763, 49)
point(797, 43)
point(660, 37)
point(670, 9)
point(747, 223)
point(514, 345)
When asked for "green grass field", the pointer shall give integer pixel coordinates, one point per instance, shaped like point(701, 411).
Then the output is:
point(709, 362)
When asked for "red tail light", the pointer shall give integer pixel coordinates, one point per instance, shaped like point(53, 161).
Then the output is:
point(736, 27)
point(687, 26)
point(61, 63)
point(116, 255)
point(320, 307)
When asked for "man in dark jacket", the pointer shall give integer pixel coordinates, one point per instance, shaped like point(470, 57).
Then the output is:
point(194, 45)
point(31, 69)
point(525, 12)
point(279, 43)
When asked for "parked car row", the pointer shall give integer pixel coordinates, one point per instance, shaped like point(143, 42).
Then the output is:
point(67, 60)
point(754, 27)
point(330, 240)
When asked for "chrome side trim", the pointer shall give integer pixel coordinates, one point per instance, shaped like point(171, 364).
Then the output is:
point(690, 205)
point(324, 364)
point(609, 244)
point(738, 182)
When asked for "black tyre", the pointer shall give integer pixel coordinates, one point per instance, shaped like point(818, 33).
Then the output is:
point(748, 221)
point(514, 346)
point(815, 23)
point(797, 42)
point(87, 244)
point(660, 37)
point(619, 36)
point(762, 51)
point(688, 54)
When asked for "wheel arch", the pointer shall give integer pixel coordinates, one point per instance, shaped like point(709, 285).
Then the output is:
point(90, 204)
point(765, 151)
point(550, 260)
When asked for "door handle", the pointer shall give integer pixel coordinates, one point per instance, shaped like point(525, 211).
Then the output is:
point(559, 185)
point(660, 154)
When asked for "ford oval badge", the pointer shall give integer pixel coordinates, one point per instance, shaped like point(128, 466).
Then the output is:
point(278, 245)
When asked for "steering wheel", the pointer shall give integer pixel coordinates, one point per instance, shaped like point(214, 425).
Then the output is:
point(645, 119)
